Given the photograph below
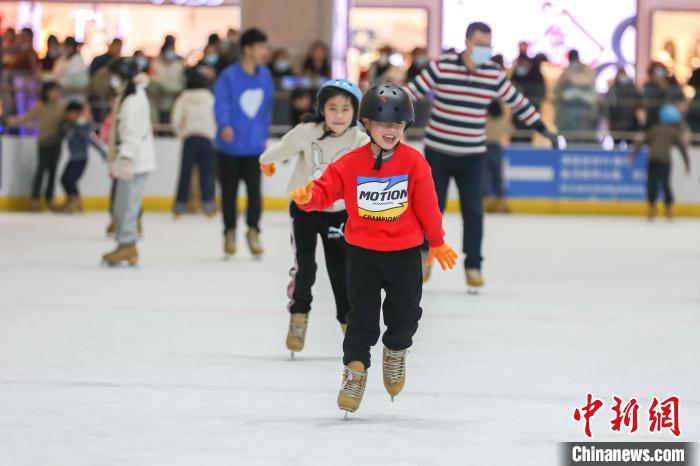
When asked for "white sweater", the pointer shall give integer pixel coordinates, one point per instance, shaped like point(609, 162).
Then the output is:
point(193, 114)
point(314, 155)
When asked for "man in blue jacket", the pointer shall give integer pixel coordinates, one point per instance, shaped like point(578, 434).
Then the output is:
point(244, 94)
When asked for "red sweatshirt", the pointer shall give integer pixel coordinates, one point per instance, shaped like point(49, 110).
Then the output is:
point(388, 209)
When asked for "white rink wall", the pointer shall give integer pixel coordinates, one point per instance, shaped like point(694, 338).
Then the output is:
point(19, 159)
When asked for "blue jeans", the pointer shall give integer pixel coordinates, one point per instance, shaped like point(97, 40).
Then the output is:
point(71, 175)
point(200, 151)
point(493, 171)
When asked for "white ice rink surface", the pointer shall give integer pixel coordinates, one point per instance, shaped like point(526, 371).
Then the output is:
point(182, 362)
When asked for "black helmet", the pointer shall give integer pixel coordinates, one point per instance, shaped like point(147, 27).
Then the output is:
point(125, 68)
point(388, 103)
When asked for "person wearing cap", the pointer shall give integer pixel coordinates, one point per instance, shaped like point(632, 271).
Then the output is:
point(71, 72)
point(324, 138)
point(391, 203)
point(130, 155)
point(661, 137)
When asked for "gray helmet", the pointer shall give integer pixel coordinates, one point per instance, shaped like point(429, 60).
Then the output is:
point(388, 103)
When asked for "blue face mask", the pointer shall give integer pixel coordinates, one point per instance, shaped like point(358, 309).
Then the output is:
point(481, 55)
point(211, 59)
point(170, 55)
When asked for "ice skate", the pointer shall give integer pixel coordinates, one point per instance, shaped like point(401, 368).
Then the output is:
point(475, 281)
point(124, 253)
point(296, 336)
point(668, 212)
point(651, 212)
point(353, 387)
point(33, 206)
point(72, 205)
point(394, 370)
point(427, 268)
point(253, 238)
point(501, 206)
point(229, 244)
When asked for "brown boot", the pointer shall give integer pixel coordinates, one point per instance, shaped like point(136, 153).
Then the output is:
point(230, 243)
point(296, 335)
point(353, 387)
point(394, 370)
point(123, 253)
point(502, 206)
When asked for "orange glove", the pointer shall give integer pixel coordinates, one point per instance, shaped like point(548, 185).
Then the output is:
point(445, 255)
point(268, 169)
point(303, 194)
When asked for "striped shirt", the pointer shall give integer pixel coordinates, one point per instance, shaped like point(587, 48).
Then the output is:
point(457, 124)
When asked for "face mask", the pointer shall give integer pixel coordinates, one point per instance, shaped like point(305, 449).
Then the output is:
point(142, 63)
point(481, 55)
point(281, 66)
point(170, 55)
point(383, 60)
point(54, 53)
point(210, 59)
point(624, 79)
point(421, 62)
point(521, 70)
point(115, 82)
point(660, 73)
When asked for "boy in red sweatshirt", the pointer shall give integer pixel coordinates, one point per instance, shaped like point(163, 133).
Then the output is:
point(392, 206)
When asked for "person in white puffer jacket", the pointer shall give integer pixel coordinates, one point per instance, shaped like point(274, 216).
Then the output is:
point(131, 156)
point(193, 122)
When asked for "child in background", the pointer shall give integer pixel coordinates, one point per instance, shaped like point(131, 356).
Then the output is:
point(331, 135)
point(193, 121)
point(392, 207)
point(48, 113)
point(661, 137)
point(80, 133)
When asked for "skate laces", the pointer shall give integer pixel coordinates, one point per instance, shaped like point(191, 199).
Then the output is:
point(394, 365)
point(352, 382)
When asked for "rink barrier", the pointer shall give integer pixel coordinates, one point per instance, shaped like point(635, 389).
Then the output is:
point(517, 206)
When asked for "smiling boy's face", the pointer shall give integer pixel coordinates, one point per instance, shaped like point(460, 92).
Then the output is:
point(385, 135)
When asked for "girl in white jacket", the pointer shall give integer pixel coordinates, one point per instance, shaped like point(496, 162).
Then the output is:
point(131, 156)
point(331, 135)
point(193, 121)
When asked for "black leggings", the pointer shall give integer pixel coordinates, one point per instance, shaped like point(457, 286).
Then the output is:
point(48, 162)
point(659, 173)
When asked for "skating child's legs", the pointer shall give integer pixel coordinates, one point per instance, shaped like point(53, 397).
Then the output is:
point(186, 163)
point(404, 288)
point(71, 175)
point(336, 251)
point(303, 273)
point(364, 292)
point(207, 173)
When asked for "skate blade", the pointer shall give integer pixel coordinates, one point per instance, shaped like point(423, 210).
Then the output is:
point(474, 291)
point(291, 355)
point(120, 265)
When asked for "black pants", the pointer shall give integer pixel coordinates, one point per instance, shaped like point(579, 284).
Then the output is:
point(231, 171)
point(306, 227)
point(659, 173)
point(71, 175)
point(468, 173)
point(493, 171)
point(398, 273)
point(48, 163)
point(197, 150)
